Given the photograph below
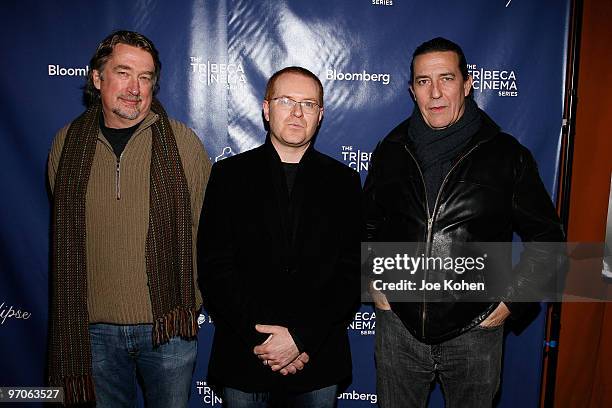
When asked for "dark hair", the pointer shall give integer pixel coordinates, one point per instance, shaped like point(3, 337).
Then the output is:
point(293, 70)
point(104, 52)
point(440, 44)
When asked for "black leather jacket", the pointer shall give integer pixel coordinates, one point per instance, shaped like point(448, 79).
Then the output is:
point(492, 191)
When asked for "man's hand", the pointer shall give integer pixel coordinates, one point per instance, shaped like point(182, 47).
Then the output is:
point(279, 349)
point(296, 365)
point(498, 316)
point(380, 300)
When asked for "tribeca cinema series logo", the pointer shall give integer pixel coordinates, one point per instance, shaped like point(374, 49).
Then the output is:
point(355, 158)
point(231, 75)
point(501, 80)
point(364, 323)
point(382, 2)
point(207, 394)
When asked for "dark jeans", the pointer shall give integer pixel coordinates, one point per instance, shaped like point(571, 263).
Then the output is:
point(468, 366)
point(322, 398)
point(124, 354)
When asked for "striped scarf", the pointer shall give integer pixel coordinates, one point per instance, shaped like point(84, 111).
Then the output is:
point(168, 252)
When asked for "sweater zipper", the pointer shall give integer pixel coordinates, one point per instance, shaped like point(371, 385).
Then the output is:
point(432, 216)
point(118, 180)
point(118, 168)
point(118, 176)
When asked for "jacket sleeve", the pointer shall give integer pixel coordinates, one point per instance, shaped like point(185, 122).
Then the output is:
point(217, 275)
point(542, 264)
point(373, 213)
point(337, 307)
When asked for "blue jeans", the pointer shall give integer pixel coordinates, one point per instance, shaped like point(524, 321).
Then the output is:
point(123, 355)
point(322, 398)
point(467, 366)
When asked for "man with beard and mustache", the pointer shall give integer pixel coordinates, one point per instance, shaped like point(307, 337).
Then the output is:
point(127, 188)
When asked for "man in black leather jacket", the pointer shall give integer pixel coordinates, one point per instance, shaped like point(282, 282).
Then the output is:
point(447, 176)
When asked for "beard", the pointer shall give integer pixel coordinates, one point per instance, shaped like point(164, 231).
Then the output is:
point(129, 113)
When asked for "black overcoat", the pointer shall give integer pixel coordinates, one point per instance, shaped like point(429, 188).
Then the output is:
point(269, 257)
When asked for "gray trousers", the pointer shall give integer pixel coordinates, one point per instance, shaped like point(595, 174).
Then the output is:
point(468, 366)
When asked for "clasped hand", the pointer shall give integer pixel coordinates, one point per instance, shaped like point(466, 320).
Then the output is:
point(279, 351)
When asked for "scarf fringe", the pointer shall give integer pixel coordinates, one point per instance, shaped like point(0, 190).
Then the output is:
point(77, 389)
point(178, 322)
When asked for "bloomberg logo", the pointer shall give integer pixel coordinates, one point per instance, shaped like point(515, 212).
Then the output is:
point(358, 396)
point(333, 74)
point(57, 70)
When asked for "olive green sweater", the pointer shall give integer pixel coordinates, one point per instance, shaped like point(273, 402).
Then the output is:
point(117, 218)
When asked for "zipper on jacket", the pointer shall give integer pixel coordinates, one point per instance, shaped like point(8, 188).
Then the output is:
point(431, 217)
point(118, 179)
point(427, 239)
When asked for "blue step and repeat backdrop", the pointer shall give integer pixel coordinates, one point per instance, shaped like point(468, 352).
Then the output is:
point(217, 56)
